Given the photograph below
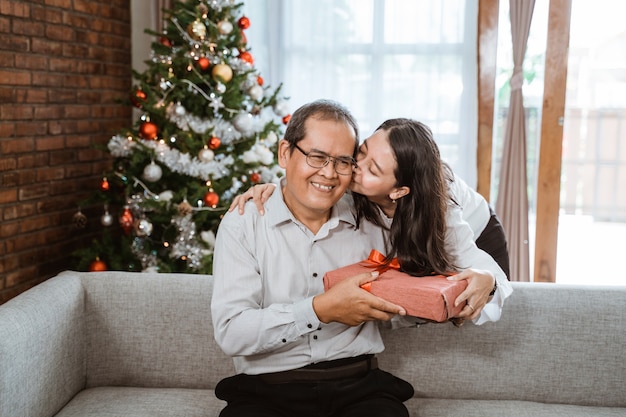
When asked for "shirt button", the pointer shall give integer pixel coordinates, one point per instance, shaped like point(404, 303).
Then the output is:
point(309, 325)
point(284, 340)
point(314, 274)
point(315, 337)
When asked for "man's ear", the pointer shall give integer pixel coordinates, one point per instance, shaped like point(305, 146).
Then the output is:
point(400, 192)
point(284, 152)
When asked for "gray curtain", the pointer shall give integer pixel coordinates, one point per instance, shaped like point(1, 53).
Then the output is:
point(158, 20)
point(512, 200)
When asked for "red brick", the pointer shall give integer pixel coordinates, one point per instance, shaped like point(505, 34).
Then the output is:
point(48, 112)
point(32, 161)
point(60, 33)
point(13, 77)
point(46, 14)
point(17, 145)
point(48, 143)
point(31, 129)
point(10, 179)
point(5, 24)
point(31, 96)
point(35, 223)
point(14, 8)
point(24, 275)
point(22, 210)
point(27, 27)
point(7, 59)
point(7, 129)
point(8, 196)
point(33, 191)
point(7, 164)
point(48, 174)
point(31, 62)
point(46, 47)
point(15, 112)
point(77, 112)
point(46, 79)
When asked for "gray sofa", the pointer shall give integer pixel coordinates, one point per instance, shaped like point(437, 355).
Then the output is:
point(133, 344)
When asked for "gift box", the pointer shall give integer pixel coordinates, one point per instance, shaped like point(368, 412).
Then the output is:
point(429, 297)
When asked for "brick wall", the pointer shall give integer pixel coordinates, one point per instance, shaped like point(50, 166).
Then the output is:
point(63, 66)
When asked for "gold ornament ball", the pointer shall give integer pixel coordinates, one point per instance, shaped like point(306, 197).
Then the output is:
point(196, 30)
point(222, 73)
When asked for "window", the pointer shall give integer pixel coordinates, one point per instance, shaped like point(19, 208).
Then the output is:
point(381, 58)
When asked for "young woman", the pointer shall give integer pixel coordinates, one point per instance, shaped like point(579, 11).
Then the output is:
point(401, 184)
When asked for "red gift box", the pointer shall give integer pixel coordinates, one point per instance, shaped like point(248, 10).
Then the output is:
point(429, 297)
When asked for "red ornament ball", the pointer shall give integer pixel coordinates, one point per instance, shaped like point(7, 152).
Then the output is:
point(211, 199)
point(138, 97)
point(255, 177)
point(286, 119)
point(243, 23)
point(246, 56)
point(148, 130)
point(214, 142)
point(104, 185)
point(260, 80)
point(126, 220)
point(204, 63)
point(97, 266)
point(165, 42)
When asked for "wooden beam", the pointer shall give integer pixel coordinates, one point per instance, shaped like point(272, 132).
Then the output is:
point(551, 143)
point(487, 57)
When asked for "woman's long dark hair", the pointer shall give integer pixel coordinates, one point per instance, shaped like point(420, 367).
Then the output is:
point(418, 229)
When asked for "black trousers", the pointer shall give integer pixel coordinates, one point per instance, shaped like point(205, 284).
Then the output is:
point(377, 394)
point(493, 241)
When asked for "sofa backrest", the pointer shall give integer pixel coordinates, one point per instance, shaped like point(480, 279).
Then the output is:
point(151, 330)
point(42, 348)
point(554, 343)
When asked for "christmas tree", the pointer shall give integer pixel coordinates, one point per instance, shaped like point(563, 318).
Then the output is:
point(208, 130)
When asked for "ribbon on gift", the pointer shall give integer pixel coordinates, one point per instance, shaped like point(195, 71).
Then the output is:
point(377, 259)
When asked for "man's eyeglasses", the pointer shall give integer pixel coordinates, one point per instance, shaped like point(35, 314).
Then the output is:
point(317, 159)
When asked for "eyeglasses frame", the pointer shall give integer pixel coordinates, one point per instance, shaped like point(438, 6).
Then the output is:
point(328, 159)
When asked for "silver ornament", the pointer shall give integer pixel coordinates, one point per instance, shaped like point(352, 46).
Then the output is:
point(225, 27)
point(206, 155)
point(152, 172)
point(106, 219)
point(255, 92)
point(143, 227)
point(243, 122)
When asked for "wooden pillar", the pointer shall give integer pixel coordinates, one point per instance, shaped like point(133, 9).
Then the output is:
point(551, 144)
point(487, 57)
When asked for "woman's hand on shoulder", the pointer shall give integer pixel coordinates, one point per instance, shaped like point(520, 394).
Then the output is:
point(259, 193)
point(480, 283)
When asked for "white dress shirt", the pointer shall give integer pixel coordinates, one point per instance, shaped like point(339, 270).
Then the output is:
point(267, 269)
point(474, 206)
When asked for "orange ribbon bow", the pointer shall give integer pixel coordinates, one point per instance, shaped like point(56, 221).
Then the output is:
point(378, 259)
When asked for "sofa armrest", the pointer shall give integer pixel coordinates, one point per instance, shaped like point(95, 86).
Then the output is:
point(42, 348)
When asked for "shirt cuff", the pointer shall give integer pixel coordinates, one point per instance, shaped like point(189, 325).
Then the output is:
point(304, 316)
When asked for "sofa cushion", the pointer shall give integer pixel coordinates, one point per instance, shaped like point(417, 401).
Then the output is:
point(143, 402)
point(151, 330)
point(442, 407)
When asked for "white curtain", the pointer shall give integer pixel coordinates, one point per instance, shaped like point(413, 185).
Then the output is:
point(381, 58)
